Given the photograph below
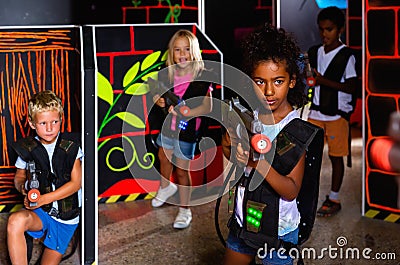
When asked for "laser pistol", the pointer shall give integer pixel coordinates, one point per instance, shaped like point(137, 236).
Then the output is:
point(259, 143)
point(309, 73)
point(171, 99)
point(32, 184)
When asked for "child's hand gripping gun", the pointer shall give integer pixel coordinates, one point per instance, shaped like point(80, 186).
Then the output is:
point(32, 184)
point(159, 88)
point(259, 143)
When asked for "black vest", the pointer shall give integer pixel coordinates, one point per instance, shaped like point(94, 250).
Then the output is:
point(329, 98)
point(302, 137)
point(63, 160)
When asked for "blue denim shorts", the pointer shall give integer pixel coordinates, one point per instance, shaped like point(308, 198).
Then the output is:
point(238, 245)
point(182, 150)
point(57, 234)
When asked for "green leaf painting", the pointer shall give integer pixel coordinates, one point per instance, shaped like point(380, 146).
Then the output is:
point(131, 119)
point(153, 75)
point(137, 89)
point(104, 89)
point(133, 84)
point(131, 74)
point(165, 56)
point(150, 60)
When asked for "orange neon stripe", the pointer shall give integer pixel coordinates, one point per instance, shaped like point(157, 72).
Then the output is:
point(29, 57)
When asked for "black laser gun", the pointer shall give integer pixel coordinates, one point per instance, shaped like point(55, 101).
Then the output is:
point(259, 143)
point(32, 184)
point(308, 70)
point(171, 99)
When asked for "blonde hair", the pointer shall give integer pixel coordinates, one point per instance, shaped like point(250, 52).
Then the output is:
point(44, 101)
point(197, 63)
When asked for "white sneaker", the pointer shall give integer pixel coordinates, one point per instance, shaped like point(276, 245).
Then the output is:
point(183, 218)
point(163, 194)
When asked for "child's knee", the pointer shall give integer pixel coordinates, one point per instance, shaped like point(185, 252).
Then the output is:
point(16, 221)
point(182, 173)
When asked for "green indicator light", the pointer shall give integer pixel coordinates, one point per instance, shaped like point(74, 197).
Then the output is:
point(259, 215)
point(309, 96)
point(250, 210)
point(257, 224)
point(248, 218)
point(310, 90)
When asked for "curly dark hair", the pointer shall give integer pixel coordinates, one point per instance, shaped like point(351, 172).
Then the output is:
point(270, 43)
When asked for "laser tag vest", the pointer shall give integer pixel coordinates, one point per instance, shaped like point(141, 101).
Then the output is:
point(197, 89)
point(261, 206)
point(63, 160)
point(329, 97)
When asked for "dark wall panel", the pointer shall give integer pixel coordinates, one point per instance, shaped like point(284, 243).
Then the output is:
point(382, 98)
point(36, 12)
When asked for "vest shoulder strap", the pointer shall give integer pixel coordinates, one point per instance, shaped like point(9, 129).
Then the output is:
point(312, 138)
point(307, 198)
point(338, 64)
point(68, 139)
point(312, 55)
point(24, 146)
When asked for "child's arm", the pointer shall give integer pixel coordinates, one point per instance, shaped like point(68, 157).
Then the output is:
point(204, 108)
point(226, 145)
point(65, 190)
point(349, 86)
point(288, 187)
point(19, 180)
point(229, 142)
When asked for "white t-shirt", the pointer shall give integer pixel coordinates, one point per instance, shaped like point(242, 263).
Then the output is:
point(21, 164)
point(289, 215)
point(344, 99)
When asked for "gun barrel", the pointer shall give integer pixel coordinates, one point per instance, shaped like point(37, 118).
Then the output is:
point(249, 121)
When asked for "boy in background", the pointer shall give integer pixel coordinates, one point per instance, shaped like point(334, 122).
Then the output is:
point(333, 96)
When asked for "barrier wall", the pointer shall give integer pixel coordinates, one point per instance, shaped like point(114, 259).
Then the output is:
point(382, 97)
point(127, 158)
